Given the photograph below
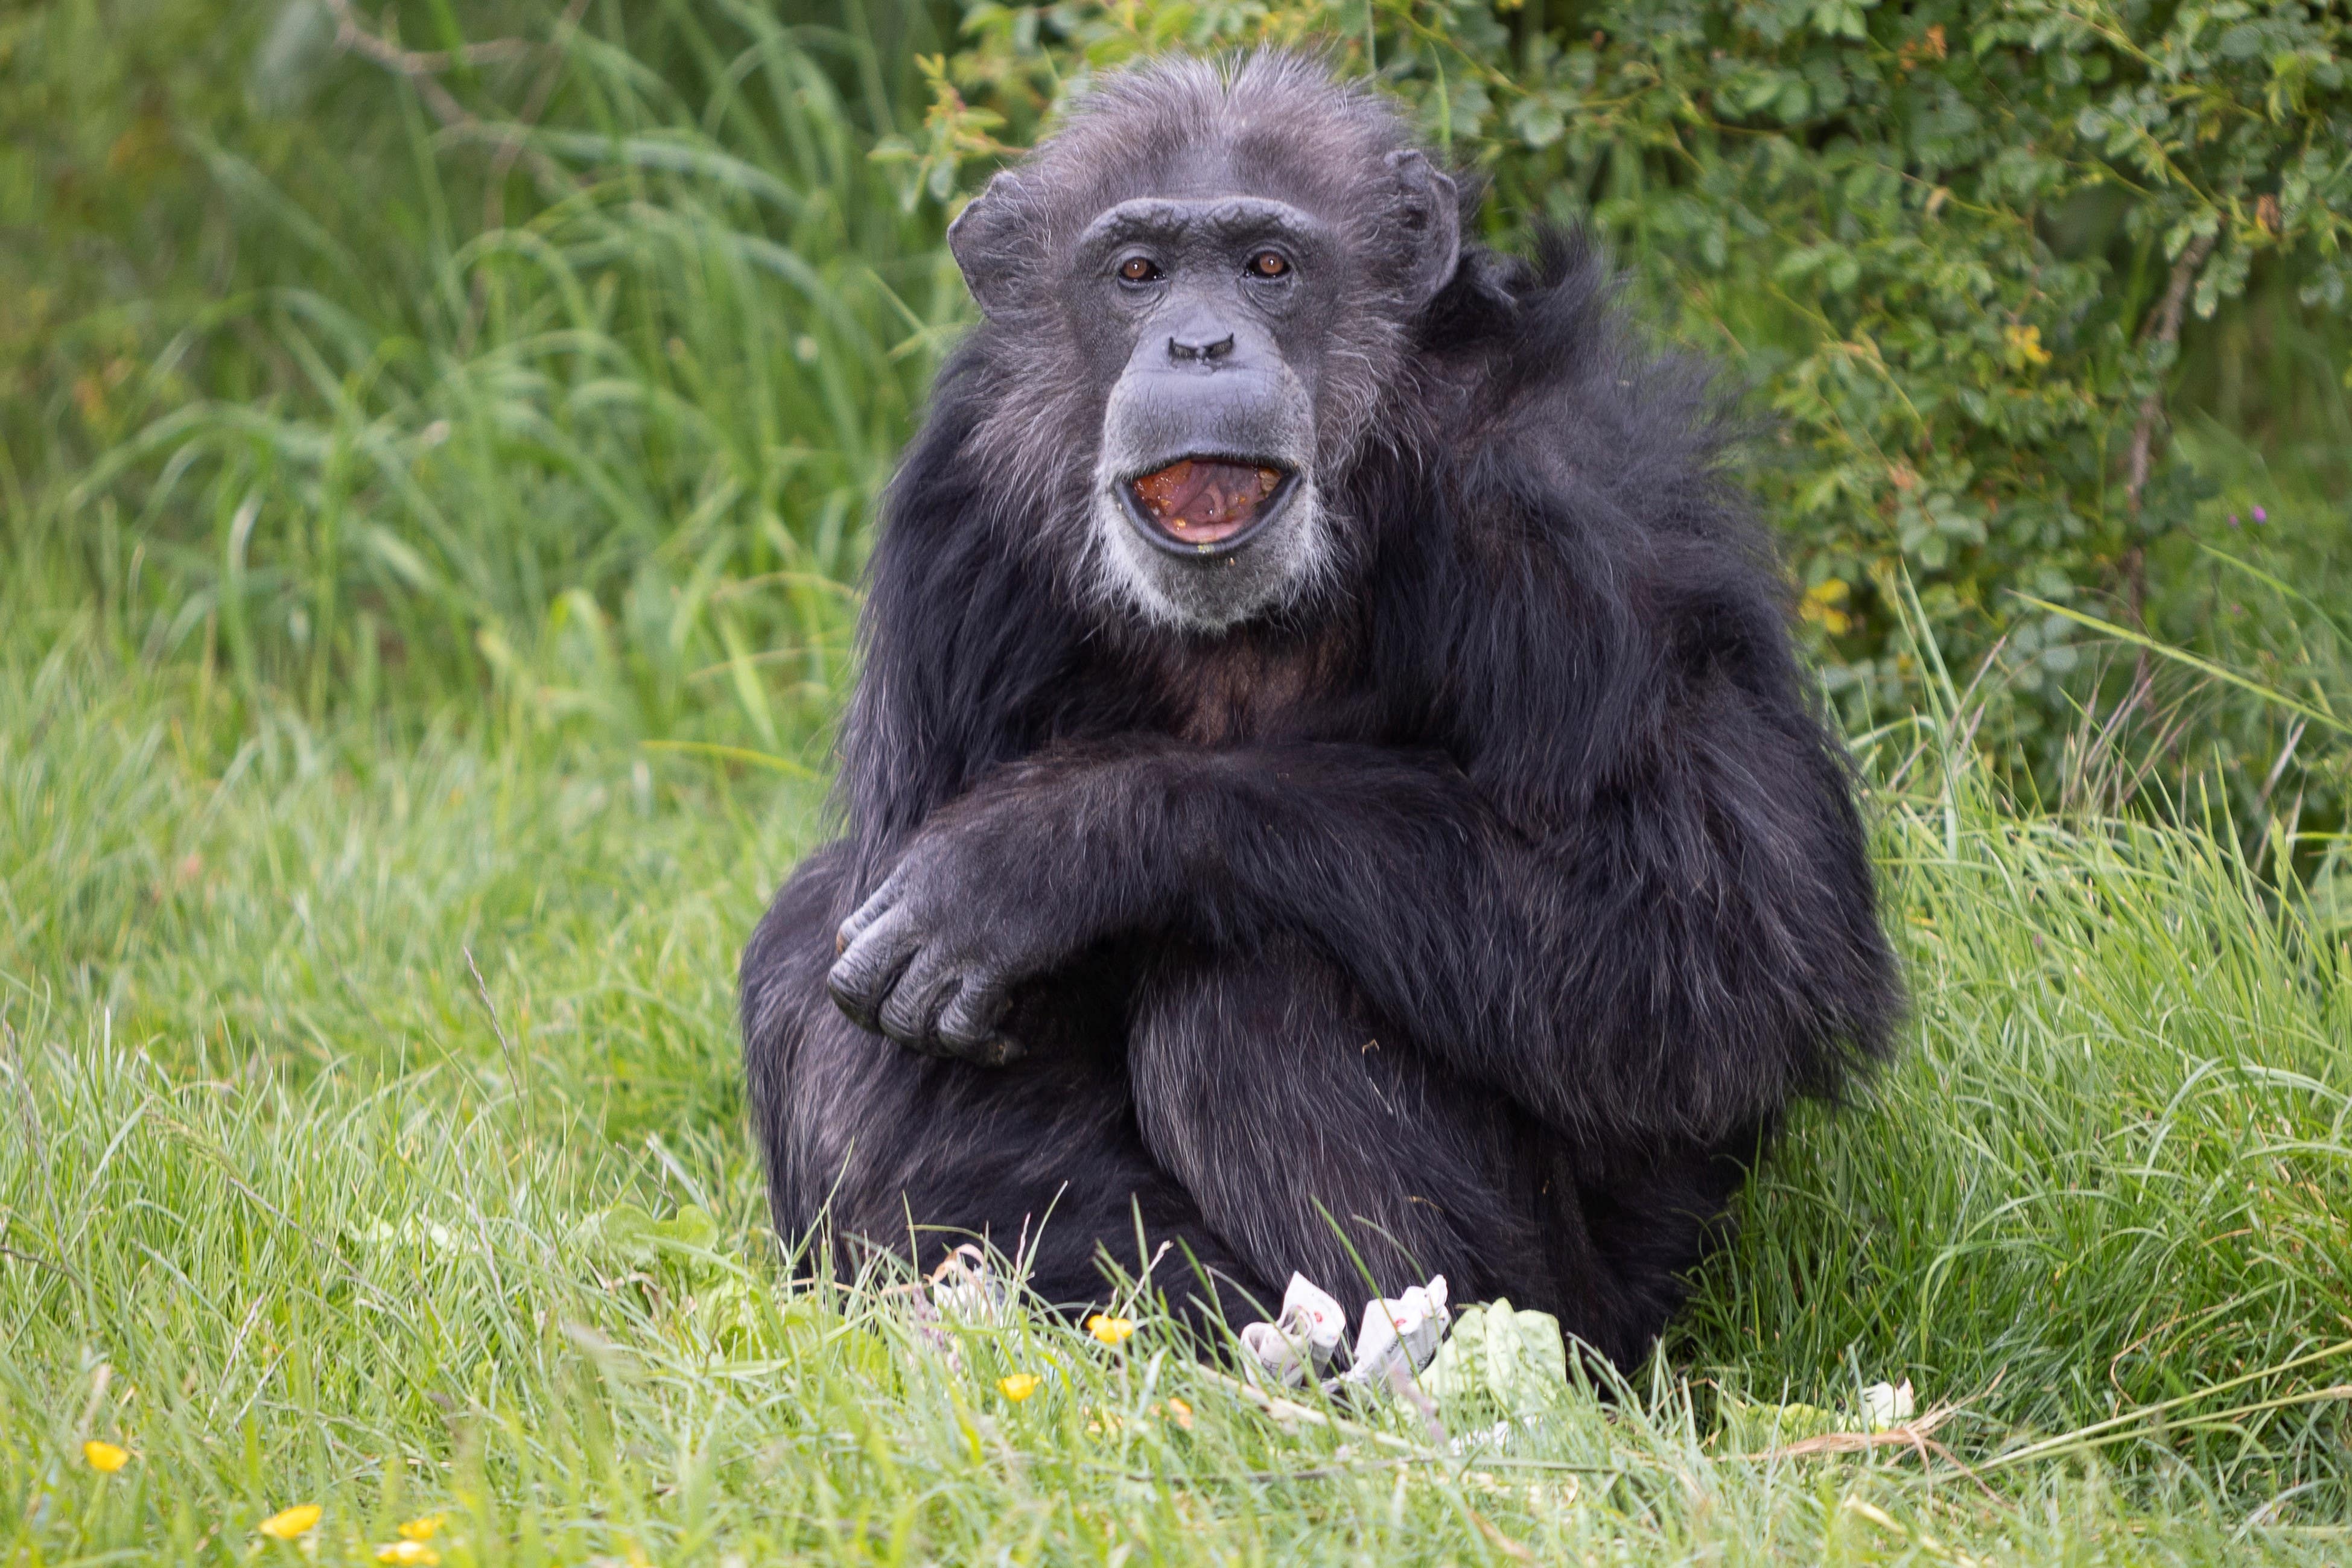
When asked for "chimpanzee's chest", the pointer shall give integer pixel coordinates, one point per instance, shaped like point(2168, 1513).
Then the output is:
point(1244, 689)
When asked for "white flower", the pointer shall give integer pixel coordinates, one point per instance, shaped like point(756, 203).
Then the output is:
point(1885, 1405)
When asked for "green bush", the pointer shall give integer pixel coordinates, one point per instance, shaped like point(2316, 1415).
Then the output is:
point(555, 373)
point(1952, 245)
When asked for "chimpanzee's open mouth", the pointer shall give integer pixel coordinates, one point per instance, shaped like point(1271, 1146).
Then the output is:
point(1206, 506)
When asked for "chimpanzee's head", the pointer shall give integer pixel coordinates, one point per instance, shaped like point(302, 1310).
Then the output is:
point(1197, 294)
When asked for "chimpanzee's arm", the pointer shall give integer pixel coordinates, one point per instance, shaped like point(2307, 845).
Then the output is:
point(1693, 942)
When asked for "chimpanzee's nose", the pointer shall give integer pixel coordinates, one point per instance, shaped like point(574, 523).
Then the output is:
point(1204, 345)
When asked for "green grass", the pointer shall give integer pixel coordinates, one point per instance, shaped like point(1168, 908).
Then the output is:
point(587, 436)
point(286, 1217)
point(362, 945)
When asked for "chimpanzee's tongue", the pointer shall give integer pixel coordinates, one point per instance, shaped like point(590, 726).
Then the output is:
point(1202, 501)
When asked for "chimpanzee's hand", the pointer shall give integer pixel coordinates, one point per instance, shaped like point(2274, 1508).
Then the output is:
point(931, 957)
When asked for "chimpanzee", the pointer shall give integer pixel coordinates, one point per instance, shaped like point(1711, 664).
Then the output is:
point(1329, 788)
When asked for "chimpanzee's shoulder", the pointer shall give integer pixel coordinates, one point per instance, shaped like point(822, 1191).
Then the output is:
point(1570, 430)
point(1595, 528)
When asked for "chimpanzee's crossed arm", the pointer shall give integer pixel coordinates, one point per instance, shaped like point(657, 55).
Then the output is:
point(1678, 952)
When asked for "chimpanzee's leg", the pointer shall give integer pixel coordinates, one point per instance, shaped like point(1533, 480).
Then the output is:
point(1316, 1140)
point(1042, 1158)
point(1653, 1212)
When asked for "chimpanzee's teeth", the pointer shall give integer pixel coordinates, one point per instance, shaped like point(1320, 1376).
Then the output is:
point(1206, 499)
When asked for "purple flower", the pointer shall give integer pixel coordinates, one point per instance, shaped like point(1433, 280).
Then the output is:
point(2261, 516)
point(2233, 519)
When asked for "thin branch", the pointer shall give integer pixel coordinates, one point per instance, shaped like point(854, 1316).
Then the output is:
point(40, 1262)
point(421, 71)
point(535, 105)
point(1496, 1538)
point(2066, 1441)
point(1286, 1411)
point(1912, 1437)
point(349, 36)
point(494, 191)
point(488, 52)
point(2162, 328)
point(1409, 1392)
point(2148, 644)
point(352, 38)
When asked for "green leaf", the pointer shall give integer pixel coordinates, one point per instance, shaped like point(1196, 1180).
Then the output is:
point(1755, 1428)
point(626, 1236)
point(1498, 1358)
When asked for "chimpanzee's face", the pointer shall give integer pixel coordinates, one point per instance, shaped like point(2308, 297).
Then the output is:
point(1204, 320)
point(1207, 305)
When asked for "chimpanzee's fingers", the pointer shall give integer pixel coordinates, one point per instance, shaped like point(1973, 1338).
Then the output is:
point(862, 977)
point(968, 1024)
point(911, 1015)
point(878, 904)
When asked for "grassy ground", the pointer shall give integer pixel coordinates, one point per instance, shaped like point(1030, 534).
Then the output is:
point(384, 528)
point(296, 1210)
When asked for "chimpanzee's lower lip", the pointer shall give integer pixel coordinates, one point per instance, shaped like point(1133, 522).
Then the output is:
point(1174, 544)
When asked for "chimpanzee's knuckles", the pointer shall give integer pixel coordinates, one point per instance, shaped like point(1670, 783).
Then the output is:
point(968, 1024)
point(911, 1015)
point(861, 980)
point(852, 999)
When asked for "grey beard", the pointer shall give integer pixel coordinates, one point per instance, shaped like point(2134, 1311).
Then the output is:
point(1283, 565)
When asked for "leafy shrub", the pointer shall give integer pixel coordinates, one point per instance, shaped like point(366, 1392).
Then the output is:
point(1953, 246)
point(557, 371)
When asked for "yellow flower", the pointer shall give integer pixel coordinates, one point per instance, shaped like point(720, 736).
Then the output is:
point(1180, 1412)
point(105, 1458)
point(1110, 1330)
point(407, 1554)
point(1821, 603)
point(1019, 1386)
point(290, 1523)
point(424, 1527)
point(2025, 346)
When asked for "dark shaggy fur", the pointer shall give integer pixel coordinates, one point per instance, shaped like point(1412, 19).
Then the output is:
point(1486, 906)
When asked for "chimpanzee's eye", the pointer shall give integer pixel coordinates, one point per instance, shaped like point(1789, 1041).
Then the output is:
point(1137, 269)
point(1269, 263)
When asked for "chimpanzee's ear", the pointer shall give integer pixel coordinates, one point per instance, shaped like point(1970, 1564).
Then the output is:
point(1432, 215)
point(986, 240)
